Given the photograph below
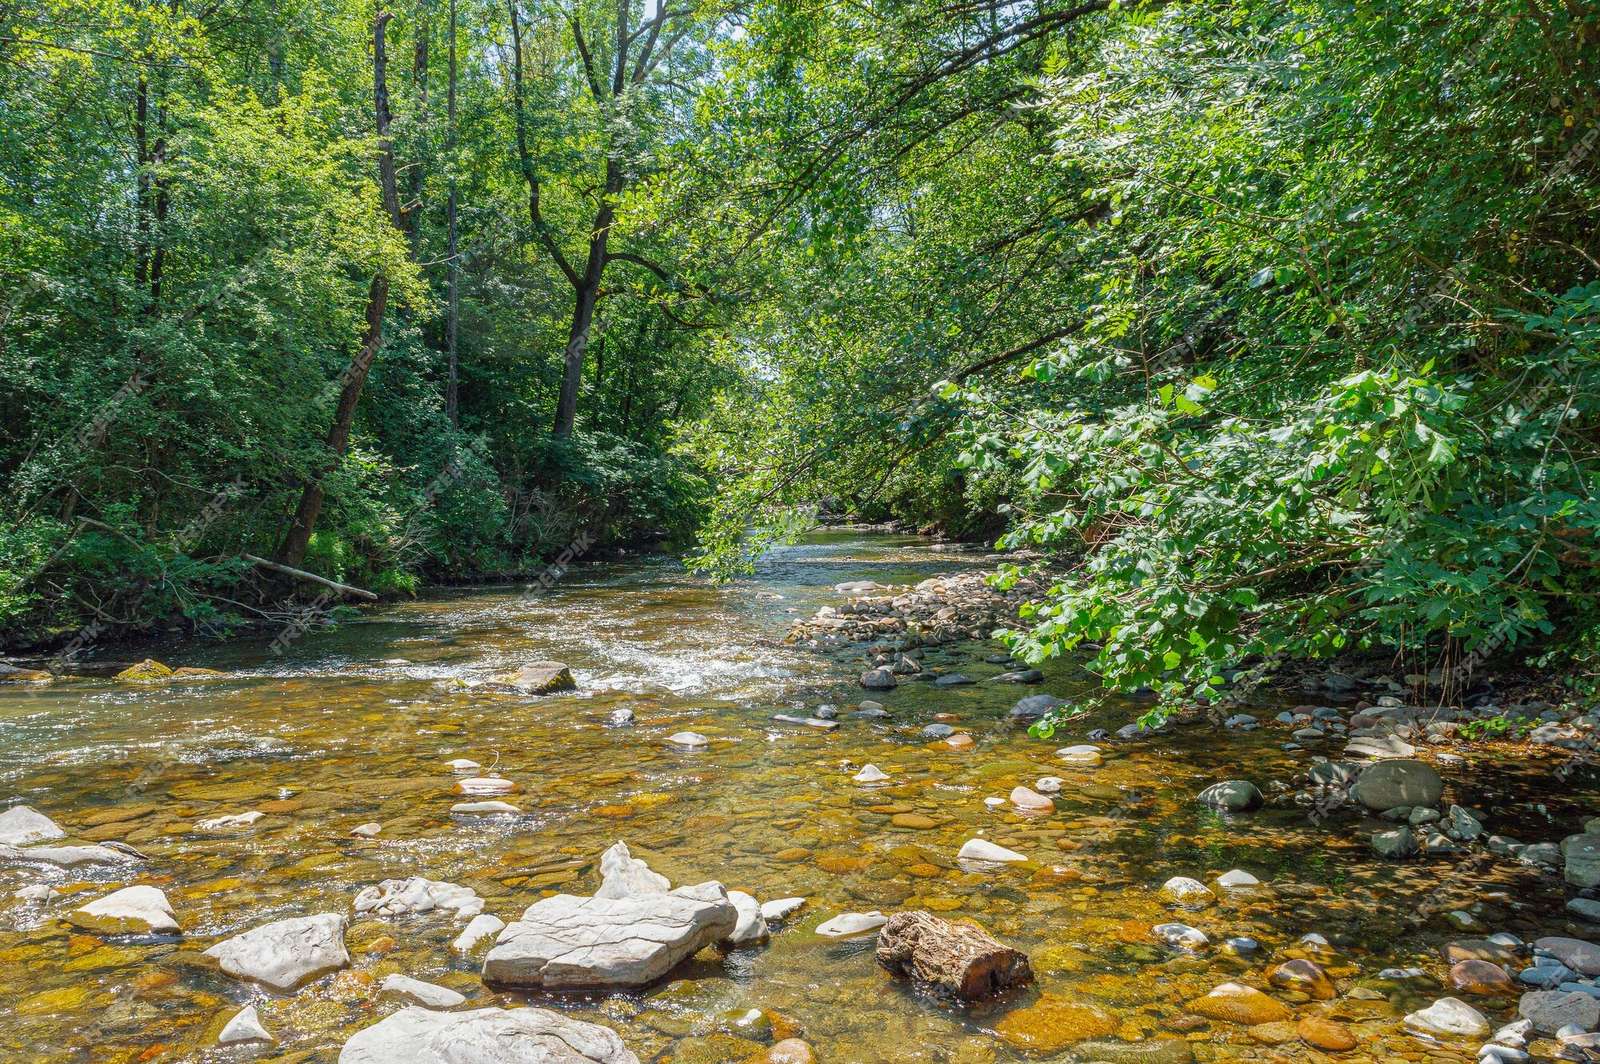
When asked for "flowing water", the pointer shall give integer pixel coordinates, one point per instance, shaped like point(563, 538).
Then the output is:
point(355, 725)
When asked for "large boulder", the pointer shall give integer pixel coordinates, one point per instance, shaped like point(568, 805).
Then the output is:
point(571, 943)
point(67, 856)
point(1035, 706)
point(285, 953)
point(1232, 796)
point(1581, 859)
point(147, 671)
point(1388, 784)
point(1551, 1010)
point(540, 678)
point(485, 1036)
point(878, 680)
point(21, 825)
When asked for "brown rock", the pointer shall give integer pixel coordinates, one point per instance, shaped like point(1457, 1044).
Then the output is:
point(1325, 1035)
point(1473, 976)
point(1273, 1034)
point(959, 958)
point(540, 678)
point(1480, 950)
point(960, 741)
point(1053, 1024)
point(1304, 976)
point(916, 821)
point(1237, 1003)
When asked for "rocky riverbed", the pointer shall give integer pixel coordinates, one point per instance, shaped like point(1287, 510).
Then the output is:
point(378, 849)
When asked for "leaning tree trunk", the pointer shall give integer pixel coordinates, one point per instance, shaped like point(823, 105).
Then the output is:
point(293, 550)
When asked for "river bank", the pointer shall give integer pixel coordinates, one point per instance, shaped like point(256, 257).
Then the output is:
point(348, 744)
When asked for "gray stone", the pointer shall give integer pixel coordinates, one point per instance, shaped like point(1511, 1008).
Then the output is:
point(540, 678)
point(245, 1026)
point(416, 895)
point(22, 825)
point(937, 731)
point(1380, 747)
point(1390, 783)
point(1232, 796)
point(66, 856)
point(1581, 956)
point(1394, 844)
point(1581, 856)
point(879, 680)
point(1035, 706)
point(952, 679)
point(429, 995)
point(1463, 825)
point(138, 910)
point(1551, 1010)
point(571, 943)
point(485, 1036)
point(752, 926)
point(285, 953)
point(1450, 1016)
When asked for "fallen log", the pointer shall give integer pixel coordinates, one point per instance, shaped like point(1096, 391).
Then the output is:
point(301, 574)
point(958, 958)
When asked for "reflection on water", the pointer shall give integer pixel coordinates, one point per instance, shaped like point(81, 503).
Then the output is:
point(355, 725)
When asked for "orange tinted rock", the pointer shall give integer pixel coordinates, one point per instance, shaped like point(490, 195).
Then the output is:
point(1326, 1035)
point(1052, 1025)
point(1304, 976)
point(1479, 977)
point(1237, 1003)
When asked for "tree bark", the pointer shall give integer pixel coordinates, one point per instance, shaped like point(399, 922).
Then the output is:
point(293, 549)
point(452, 321)
point(957, 958)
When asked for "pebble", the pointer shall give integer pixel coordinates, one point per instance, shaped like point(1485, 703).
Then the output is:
point(984, 850)
point(245, 1026)
point(688, 740)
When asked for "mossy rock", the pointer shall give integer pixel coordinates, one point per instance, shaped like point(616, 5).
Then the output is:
point(147, 671)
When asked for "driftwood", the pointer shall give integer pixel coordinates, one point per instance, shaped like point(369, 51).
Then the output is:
point(957, 958)
point(301, 574)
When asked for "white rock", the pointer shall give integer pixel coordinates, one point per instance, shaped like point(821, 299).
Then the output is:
point(1048, 784)
point(847, 924)
point(870, 774)
point(1181, 936)
point(430, 995)
point(688, 740)
point(484, 807)
point(131, 910)
point(367, 831)
point(1081, 755)
point(779, 908)
point(485, 1036)
point(21, 825)
point(244, 1027)
point(1450, 1016)
point(66, 856)
point(984, 850)
point(992, 803)
point(1187, 892)
point(1030, 801)
point(232, 822)
point(1237, 879)
point(285, 953)
point(37, 893)
point(752, 926)
point(478, 928)
point(482, 785)
point(403, 897)
point(462, 764)
point(623, 875)
point(571, 943)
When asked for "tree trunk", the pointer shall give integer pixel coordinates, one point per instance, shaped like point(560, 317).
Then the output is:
point(293, 549)
point(452, 321)
point(957, 958)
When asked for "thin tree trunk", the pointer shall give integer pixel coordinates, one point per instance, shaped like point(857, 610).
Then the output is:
point(452, 322)
point(419, 84)
point(293, 550)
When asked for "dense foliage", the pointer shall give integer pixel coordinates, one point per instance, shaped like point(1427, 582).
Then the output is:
point(1273, 328)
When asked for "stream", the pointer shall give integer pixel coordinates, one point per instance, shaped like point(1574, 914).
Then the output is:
point(355, 725)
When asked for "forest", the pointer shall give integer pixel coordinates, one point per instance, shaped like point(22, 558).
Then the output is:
point(1271, 330)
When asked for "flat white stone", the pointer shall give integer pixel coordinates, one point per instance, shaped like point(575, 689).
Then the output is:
point(478, 928)
point(571, 943)
point(66, 856)
point(752, 926)
point(779, 908)
point(1048, 784)
point(1030, 801)
point(484, 807)
point(1237, 879)
point(22, 824)
point(403, 897)
point(994, 803)
point(482, 785)
point(462, 764)
point(688, 740)
point(870, 774)
point(1450, 1016)
point(285, 953)
point(1186, 891)
point(231, 822)
point(1181, 936)
point(430, 995)
point(847, 924)
point(131, 910)
point(984, 850)
point(367, 831)
point(1081, 755)
point(38, 893)
point(244, 1027)
point(485, 1036)
point(623, 875)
